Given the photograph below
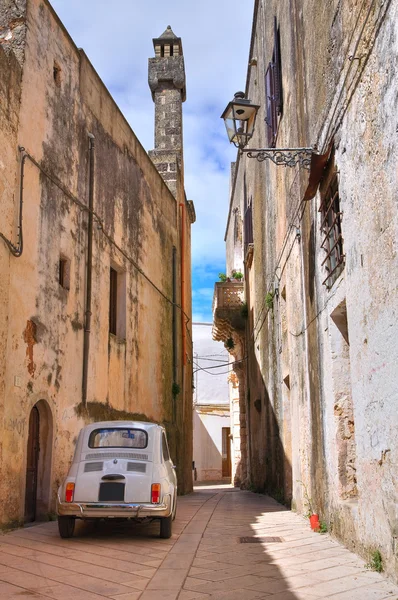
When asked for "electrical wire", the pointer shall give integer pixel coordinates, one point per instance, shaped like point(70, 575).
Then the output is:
point(330, 119)
point(84, 208)
point(304, 329)
point(236, 362)
point(210, 359)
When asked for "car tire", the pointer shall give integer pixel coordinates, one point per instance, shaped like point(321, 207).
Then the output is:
point(166, 527)
point(66, 526)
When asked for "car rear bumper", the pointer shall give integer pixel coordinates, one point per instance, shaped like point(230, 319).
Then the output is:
point(103, 510)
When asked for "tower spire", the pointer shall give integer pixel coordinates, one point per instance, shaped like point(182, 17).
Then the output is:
point(166, 78)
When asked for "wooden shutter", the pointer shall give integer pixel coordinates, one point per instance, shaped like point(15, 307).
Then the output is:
point(273, 90)
point(277, 70)
point(272, 117)
point(271, 112)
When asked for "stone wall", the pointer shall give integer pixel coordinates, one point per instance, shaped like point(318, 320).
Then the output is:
point(53, 99)
point(321, 359)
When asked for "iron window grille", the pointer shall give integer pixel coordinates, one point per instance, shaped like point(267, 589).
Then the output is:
point(332, 238)
point(273, 90)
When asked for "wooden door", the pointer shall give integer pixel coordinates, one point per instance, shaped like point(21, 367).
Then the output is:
point(226, 452)
point(32, 465)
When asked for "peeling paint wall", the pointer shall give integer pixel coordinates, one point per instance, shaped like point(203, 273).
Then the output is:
point(41, 320)
point(322, 362)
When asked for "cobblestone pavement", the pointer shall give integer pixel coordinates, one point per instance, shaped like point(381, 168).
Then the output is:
point(205, 558)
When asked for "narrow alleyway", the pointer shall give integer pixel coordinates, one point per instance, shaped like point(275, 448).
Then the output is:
point(206, 557)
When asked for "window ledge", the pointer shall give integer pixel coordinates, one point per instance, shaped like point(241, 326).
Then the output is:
point(117, 340)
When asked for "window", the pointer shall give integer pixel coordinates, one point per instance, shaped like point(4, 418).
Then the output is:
point(112, 301)
point(248, 224)
point(117, 303)
point(237, 227)
point(332, 239)
point(57, 73)
point(165, 448)
point(273, 90)
point(64, 273)
point(116, 437)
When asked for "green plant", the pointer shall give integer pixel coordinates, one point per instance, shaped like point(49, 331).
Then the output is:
point(237, 275)
point(375, 562)
point(230, 344)
point(175, 389)
point(222, 277)
point(269, 300)
point(244, 311)
point(323, 528)
point(308, 500)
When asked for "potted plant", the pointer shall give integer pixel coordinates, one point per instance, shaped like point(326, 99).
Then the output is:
point(238, 275)
point(312, 516)
point(222, 277)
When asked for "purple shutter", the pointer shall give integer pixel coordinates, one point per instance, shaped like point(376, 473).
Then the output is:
point(277, 70)
point(270, 102)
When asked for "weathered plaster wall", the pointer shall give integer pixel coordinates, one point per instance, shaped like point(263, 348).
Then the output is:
point(322, 363)
point(42, 326)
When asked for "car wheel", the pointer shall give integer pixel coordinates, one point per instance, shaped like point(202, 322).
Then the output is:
point(166, 527)
point(66, 526)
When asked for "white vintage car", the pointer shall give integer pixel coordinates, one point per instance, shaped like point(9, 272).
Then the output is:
point(121, 469)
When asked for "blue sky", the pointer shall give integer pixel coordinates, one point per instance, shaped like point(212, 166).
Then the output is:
point(117, 38)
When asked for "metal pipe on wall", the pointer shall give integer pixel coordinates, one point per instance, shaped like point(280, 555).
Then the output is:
point(16, 250)
point(87, 320)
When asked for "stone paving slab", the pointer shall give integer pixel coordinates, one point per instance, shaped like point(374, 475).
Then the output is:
point(204, 559)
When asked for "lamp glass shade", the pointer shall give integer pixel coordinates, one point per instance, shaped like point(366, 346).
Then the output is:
point(239, 118)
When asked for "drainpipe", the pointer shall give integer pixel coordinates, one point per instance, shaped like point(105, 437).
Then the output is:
point(183, 331)
point(306, 342)
point(87, 320)
point(17, 249)
point(184, 358)
point(175, 349)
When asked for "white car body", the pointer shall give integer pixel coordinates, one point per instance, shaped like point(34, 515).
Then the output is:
point(115, 468)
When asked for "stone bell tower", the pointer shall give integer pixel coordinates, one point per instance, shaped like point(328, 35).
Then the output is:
point(166, 78)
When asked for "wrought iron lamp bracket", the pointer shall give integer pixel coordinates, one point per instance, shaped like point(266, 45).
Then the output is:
point(285, 157)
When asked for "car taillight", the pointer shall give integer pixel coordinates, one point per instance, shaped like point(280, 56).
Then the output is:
point(155, 495)
point(70, 488)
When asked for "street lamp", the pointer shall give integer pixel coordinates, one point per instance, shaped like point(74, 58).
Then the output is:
point(239, 117)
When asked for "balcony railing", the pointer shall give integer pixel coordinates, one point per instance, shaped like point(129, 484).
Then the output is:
point(227, 309)
point(228, 295)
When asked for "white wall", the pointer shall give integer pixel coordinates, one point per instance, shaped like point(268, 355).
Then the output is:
point(207, 443)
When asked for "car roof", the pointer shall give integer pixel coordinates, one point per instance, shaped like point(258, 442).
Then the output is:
point(109, 424)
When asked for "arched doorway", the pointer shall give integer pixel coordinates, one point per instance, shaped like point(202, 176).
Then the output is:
point(38, 463)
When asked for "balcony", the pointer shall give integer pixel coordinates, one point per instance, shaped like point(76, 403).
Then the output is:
point(227, 310)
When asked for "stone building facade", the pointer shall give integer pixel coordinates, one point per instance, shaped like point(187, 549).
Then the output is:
point(318, 337)
point(94, 264)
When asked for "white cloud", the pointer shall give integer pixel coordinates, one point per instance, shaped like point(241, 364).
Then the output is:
point(117, 37)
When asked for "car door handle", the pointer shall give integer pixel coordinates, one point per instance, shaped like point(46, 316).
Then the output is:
point(112, 477)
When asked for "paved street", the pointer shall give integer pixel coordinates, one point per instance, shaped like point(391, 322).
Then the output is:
point(204, 559)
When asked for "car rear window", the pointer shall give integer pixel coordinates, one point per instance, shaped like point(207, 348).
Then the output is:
point(118, 437)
